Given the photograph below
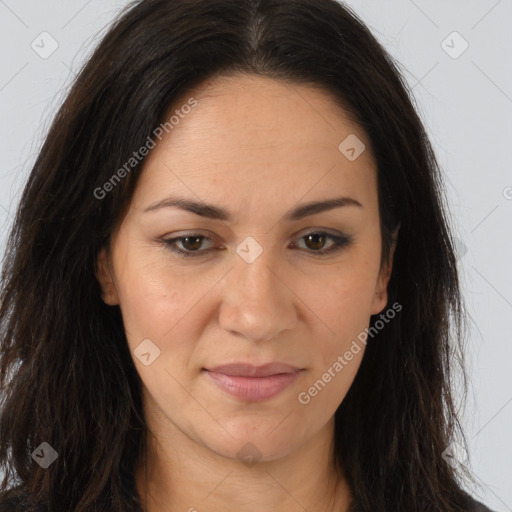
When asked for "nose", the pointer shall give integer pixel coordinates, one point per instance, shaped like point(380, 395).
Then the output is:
point(258, 303)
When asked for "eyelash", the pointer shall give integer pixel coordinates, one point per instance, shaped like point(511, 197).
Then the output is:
point(339, 243)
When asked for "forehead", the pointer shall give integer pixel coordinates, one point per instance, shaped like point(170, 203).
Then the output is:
point(257, 111)
point(255, 136)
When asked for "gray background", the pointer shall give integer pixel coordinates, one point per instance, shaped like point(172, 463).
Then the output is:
point(465, 101)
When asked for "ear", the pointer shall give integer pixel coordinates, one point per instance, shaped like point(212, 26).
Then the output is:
point(380, 299)
point(104, 275)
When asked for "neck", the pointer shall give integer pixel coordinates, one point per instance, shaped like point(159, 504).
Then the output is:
point(179, 474)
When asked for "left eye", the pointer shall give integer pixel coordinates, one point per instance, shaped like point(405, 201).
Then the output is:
point(318, 238)
point(191, 244)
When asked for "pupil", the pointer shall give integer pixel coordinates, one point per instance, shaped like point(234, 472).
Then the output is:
point(195, 246)
point(317, 236)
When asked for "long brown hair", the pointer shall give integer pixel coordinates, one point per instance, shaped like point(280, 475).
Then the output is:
point(66, 374)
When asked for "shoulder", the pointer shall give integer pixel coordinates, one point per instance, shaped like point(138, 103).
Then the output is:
point(9, 504)
point(16, 500)
point(471, 505)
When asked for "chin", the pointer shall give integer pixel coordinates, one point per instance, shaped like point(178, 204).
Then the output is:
point(252, 446)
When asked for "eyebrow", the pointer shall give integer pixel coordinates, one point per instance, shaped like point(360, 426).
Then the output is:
point(218, 213)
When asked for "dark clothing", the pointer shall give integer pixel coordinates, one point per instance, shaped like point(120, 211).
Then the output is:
point(11, 505)
point(471, 505)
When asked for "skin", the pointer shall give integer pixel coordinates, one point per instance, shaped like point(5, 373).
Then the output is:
point(257, 147)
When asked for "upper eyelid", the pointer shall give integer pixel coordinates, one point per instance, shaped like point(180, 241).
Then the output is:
point(300, 234)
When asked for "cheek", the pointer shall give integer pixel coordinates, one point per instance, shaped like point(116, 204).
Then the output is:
point(155, 295)
point(341, 301)
point(149, 312)
point(149, 308)
point(342, 312)
point(166, 304)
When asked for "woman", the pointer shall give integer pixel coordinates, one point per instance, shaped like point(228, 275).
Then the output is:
point(230, 284)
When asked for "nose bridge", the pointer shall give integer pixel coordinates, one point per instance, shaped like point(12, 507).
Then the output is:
point(256, 303)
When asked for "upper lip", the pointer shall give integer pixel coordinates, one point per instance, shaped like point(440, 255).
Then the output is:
point(249, 370)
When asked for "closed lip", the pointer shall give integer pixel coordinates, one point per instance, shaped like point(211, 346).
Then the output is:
point(250, 370)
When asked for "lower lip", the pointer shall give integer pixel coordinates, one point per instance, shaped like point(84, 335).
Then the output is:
point(253, 389)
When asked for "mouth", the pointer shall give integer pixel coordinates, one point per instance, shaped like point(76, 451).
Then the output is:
point(253, 383)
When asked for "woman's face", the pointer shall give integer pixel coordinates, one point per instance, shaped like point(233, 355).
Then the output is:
point(253, 288)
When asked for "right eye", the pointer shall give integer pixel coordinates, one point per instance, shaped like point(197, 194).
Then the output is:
point(191, 245)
